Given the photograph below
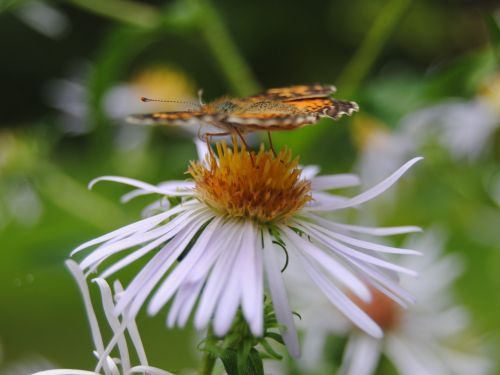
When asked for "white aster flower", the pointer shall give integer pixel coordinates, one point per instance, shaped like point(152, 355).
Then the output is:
point(425, 338)
point(215, 250)
point(119, 326)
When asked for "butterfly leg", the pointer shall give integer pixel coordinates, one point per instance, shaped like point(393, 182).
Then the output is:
point(271, 146)
point(208, 139)
point(240, 135)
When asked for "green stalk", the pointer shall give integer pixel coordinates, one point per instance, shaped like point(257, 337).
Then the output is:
point(207, 364)
point(369, 50)
point(225, 51)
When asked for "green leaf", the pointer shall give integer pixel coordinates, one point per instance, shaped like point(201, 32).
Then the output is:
point(268, 348)
point(255, 363)
point(230, 361)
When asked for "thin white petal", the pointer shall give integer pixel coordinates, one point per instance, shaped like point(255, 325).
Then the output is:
point(309, 171)
point(374, 231)
point(185, 298)
point(175, 279)
point(387, 285)
point(231, 295)
point(132, 328)
point(279, 296)
point(139, 184)
point(140, 225)
point(202, 149)
point(339, 299)
point(144, 282)
point(84, 290)
point(251, 279)
point(113, 321)
point(138, 253)
point(339, 247)
point(337, 181)
point(370, 193)
point(217, 279)
point(103, 252)
point(149, 370)
point(334, 268)
point(356, 242)
point(166, 187)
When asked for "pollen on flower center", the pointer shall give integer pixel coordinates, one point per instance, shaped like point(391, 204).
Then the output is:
point(255, 185)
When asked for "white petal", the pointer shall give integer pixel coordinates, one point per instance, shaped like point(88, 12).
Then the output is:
point(217, 280)
point(334, 268)
point(374, 231)
point(114, 323)
point(339, 299)
point(230, 297)
point(361, 355)
point(413, 358)
point(182, 222)
point(309, 171)
point(175, 279)
point(148, 370)
point(84, 290)
point(337, 181)
point(279, 297)
point(141, 185)
point(370, 193)
point(202, 149)
point(144, 282)
point(251, 279)
point(103, 252)
point(184, 301)
point(356, 242)
point(166, 187)
point(141, 225)
point(350, 252)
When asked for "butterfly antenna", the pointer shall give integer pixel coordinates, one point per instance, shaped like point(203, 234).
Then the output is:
point(146, 100)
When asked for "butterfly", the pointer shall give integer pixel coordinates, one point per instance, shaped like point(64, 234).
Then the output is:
point(275, 109)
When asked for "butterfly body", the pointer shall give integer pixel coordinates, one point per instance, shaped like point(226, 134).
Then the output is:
point(276, 109)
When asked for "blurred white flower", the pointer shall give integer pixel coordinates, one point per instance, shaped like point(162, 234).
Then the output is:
point(424, 338)
point(119, 324)
point(463, 127)
point(236, 218)
point(19, 200)
point(44, 18)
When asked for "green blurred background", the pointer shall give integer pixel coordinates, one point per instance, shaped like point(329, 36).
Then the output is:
point(71, 70)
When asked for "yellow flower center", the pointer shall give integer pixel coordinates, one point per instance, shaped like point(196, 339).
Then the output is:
point(255, 185)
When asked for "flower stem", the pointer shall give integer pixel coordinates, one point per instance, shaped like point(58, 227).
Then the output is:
point(366, 55)
point(230, 60)
point(207, 364)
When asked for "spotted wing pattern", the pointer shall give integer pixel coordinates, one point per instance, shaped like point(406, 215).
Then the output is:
point(325, 107)
point(295, 92)
point(306, 111)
